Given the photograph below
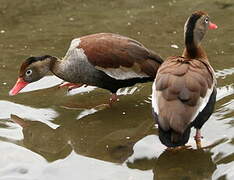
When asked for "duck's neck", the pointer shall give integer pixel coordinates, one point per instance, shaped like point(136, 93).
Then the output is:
point(58, 68)
point(192, 51)
point(66, 69)
point(193, 37)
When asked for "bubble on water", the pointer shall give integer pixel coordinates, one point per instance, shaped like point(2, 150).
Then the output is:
point(71, 19)
point(174, 46)
point(69, 142)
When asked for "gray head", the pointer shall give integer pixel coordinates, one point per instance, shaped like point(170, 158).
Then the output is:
point(196, 27)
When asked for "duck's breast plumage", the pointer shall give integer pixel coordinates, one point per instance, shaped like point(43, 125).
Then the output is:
point(181, 90)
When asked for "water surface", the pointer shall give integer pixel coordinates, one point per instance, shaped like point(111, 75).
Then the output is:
point(63, 135)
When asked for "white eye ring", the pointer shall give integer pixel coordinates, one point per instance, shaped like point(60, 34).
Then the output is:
point(206, 20)
point(28, 72)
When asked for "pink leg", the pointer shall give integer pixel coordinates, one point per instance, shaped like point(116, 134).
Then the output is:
point(113, 98)
point(198, 138)
point(70, 85)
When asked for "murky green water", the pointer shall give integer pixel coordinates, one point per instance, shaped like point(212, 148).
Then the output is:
point(65, 137)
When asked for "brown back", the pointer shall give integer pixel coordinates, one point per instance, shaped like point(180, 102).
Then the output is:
point(180, 85)
point(108, 50)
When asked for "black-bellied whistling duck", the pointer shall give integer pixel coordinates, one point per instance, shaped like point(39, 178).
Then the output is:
point(105, 60)
point(184, 90)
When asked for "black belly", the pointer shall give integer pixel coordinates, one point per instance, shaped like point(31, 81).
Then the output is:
point(106, 82)
point(117, 84)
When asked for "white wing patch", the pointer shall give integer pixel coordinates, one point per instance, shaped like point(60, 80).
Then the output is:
point(74, 53)
point(73, 46)
point(202, 103)
point(123, 73)
point(155, 97)
point(75, 43)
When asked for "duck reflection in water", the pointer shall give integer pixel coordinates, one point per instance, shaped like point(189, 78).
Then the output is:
point(114, 145)
point(42, 139)
point(185, 164)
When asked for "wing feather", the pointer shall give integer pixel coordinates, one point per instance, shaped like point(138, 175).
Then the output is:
point(119, 57)
point(181, 90)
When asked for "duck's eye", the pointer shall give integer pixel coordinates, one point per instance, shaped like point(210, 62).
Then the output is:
point(206, 20)
point(28, 72)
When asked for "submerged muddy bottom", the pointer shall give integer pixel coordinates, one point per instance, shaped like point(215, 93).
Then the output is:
point(60, 135)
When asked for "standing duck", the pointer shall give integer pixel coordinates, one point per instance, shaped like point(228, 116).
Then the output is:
point(105, 60)
point(184, 90)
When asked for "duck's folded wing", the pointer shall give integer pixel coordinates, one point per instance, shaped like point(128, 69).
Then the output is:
point(120, 57)
point(181, 90)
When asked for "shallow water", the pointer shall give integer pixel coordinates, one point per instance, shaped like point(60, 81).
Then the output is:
point(67, 135)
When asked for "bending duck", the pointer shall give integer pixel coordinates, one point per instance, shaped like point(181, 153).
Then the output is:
point(184, 90)
point(105, 60)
